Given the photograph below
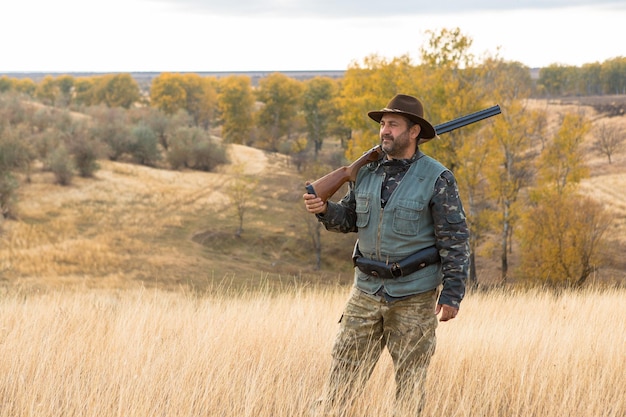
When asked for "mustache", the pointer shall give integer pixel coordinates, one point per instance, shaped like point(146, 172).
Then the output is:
point(389, 137)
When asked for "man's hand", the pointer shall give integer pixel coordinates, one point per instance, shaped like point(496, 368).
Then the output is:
point(314, 204)
point(447, 312)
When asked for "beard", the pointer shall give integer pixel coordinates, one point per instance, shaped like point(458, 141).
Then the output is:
point(396, 147)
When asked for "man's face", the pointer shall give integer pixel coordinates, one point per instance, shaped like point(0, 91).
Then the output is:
point(396, 139)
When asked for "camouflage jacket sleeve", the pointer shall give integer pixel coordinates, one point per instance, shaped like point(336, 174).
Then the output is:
point(341, 217)
point(452, 234)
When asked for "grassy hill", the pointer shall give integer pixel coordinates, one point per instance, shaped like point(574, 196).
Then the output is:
point(133, 225)
point(137, 226)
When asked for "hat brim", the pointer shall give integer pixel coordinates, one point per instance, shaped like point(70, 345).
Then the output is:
point(427, 131)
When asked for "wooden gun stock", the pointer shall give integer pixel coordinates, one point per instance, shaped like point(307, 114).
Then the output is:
point(328, 185)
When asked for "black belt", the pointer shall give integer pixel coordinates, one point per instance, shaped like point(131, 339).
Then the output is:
point(404, 267)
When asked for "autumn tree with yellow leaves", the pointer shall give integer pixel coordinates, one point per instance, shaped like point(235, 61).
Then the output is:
point(189, 92)
point(236, 109)
point(563, 231)
point(279, 98)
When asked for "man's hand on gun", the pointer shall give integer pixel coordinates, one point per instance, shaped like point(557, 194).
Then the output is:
point(314, 204)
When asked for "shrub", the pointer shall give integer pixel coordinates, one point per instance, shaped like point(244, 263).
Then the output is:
point(8, 194)
point(207, 155)
point(144, 146)
point(192, 147)
point(85, 154)
point(61, 165)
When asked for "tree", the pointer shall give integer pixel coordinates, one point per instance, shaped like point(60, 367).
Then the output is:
point(190, 92)
point(314, 227)
point(193, 147)
point(110, 125)
point(84, 91)
point(608, 140)
point(317, 105)
point(562, 239)
point(6, 84)
point(562, 233)
point(66, 86)
point(26, 86)
point(562, 162)
point(369, 86)
point(239, 191)
point(201, 94)
point(168, 93)
point(61, 165)
point(557, 80)
point(511, 171)
point(117, 90)
point(144, 145)
point(236, 108)
point(84, 149)
point(280, 98)
point(47, 90)
point(612, 74)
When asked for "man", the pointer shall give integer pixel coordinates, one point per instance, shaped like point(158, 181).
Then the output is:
point(404, 207)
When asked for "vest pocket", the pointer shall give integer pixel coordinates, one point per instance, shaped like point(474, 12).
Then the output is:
point(406, 217)
point(362, 210)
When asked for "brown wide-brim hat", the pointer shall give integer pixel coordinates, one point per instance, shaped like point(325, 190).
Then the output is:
point(412, 109)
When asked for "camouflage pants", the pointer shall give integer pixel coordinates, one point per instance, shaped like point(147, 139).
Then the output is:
point(369, 324)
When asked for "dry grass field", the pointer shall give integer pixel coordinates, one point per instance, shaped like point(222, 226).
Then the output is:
point(137, 353)
point(128, 294)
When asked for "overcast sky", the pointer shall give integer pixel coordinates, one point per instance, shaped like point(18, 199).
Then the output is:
point(274, 35)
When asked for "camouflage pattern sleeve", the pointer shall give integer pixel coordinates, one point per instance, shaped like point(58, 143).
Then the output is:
point(452, 234)
point(341, 217)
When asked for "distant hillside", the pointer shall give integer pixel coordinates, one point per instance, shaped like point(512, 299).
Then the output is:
point(137, 226)
point(145, 78)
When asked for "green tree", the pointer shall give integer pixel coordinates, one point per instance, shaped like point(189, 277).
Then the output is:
point(590, 80)
point(558, 80)
point(613, 76)
point(60, 163)
point(111, 127)
point(82, 147)
point(144, 145)
point(192, 147)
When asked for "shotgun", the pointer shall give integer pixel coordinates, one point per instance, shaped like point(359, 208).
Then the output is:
point(328, 185)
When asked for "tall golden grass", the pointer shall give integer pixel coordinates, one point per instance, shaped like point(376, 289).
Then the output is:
point(150, 352)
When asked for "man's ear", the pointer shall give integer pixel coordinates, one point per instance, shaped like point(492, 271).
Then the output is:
point(415, 130)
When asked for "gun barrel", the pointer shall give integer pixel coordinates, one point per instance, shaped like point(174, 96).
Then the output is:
point(326, 186)
point(466, 120)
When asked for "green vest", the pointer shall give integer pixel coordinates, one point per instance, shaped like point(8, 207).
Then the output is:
point(402, 228)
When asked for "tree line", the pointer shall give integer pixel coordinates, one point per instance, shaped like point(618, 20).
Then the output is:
point(518, 177)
